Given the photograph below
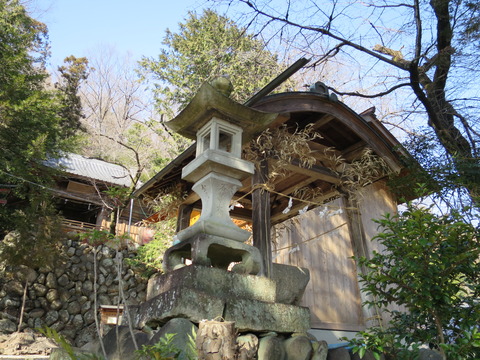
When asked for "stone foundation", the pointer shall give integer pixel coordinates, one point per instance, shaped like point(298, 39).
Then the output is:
point(253, 302)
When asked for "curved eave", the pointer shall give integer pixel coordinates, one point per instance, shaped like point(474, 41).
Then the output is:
point(294, 102)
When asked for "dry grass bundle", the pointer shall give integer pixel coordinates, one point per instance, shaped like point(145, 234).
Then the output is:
point(361, 172)
point(282, 146)
point(307, 194)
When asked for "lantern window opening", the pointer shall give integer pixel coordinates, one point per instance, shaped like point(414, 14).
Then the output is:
point(204, 141)
point(220, 135)
point(225, 141)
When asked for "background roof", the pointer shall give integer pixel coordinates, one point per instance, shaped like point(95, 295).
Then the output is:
point(94, 169)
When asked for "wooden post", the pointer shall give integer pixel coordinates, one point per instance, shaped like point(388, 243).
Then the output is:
point(183, 219)
point(261, 217)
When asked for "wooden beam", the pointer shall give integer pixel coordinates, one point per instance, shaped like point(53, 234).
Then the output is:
point(241, 214)
point(354, 151)
point(191, 198)
point(261, 217)
point(245, 200)
point(324, 154)
point(246, 185)
point(322, 149)
point(324, 119)
point(317, 172)
point(278, 216)
point(297, 185)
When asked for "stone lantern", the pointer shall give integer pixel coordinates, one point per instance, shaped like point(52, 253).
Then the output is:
point(204, 290)
point(220, 126)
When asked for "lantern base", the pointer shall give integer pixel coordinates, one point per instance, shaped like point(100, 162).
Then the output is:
point(218, 252)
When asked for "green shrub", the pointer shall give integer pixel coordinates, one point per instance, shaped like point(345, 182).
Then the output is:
point(431, 268)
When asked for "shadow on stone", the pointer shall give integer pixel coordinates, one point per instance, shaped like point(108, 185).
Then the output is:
point(118, 347)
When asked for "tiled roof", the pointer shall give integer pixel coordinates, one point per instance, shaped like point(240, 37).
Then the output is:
point(92, 169)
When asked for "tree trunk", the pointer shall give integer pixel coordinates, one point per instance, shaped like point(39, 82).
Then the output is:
point(441, 113)
point(113, 221)
point(22, 310)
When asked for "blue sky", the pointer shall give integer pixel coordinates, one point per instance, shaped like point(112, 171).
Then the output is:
point(77, 27)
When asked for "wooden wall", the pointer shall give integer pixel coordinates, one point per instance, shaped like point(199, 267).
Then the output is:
point(138, 234)
point(374, 203)
point(321, 240)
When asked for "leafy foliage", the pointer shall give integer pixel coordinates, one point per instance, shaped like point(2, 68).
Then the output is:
point(72, 74)
point(438, 175)
point(470, 23)
point(165, 205)
point(374, 341)
point(206, 46)
point(165, 349)
point(32, 243)
point(430, 268)
point(97, 237)
point(149, 257)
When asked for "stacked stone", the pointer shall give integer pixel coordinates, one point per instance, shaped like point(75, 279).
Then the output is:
point(62, 296)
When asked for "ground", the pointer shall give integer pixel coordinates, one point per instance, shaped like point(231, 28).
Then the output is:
point(25, 343)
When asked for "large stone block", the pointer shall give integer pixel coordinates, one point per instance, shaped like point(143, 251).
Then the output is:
point(216, 282)
point(291, 282)
point(177, 302)
point(250, 315)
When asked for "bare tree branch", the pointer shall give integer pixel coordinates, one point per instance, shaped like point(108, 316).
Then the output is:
point(358, 94)
point(328, 33)
point(330, 54)
point(428, 64)
point(140, 167)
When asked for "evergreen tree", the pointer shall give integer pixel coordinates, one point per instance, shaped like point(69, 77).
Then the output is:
point(207, 46)
point(36, 123)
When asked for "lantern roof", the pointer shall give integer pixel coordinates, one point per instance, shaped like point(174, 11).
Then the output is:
point(212, 100)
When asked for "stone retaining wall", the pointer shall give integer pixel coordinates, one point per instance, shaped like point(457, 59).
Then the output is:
point(61, 296)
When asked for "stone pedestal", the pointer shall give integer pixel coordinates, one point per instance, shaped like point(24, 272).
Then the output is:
point(204, 293)
point(221, 283)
